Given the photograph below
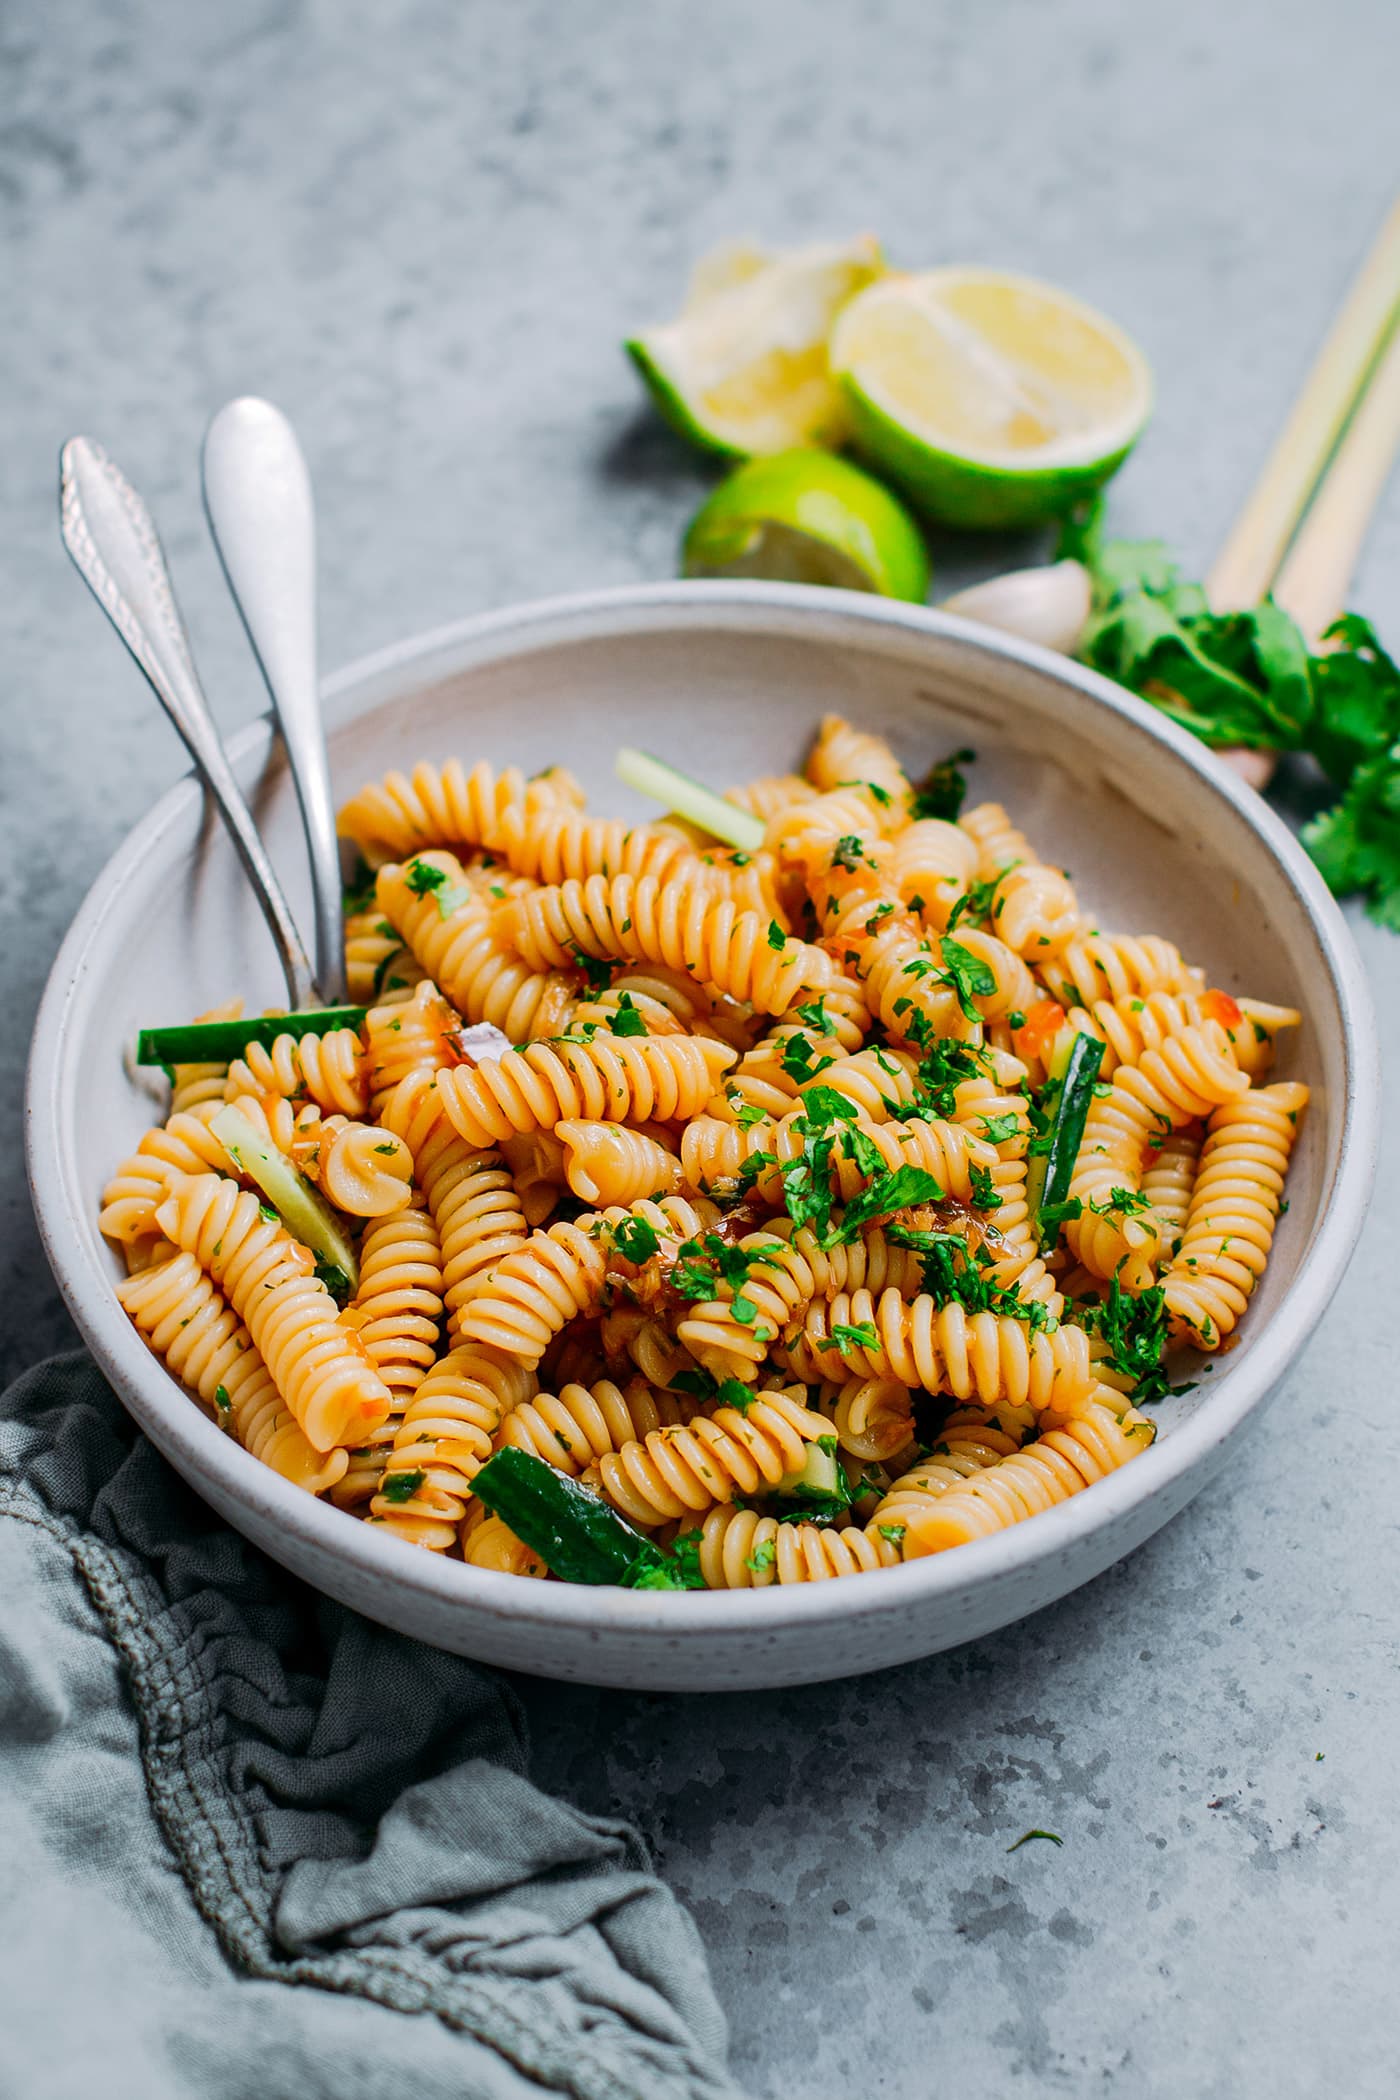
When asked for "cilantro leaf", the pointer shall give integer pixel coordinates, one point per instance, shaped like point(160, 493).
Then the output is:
point(627, 1020)
point(997, 1129)
point(896, 1190)
point(597, 972)
point(402, 1487)
point(798, 1061)
point(970, 977)
point(421, 877)
point(1356, 843)
point(333, 1277)
point(777, 939)
point(1249, 678)
point(943, 790)
point(635, 1240)
point(1135, 1329)
point(860, 1335)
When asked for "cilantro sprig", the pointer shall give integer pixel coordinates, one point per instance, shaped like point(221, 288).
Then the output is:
point(1249, 678)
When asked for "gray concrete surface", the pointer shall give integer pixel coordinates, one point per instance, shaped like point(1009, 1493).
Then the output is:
point(423, 229)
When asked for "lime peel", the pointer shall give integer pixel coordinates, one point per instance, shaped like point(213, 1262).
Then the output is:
point(743, 370)
point(808, 517)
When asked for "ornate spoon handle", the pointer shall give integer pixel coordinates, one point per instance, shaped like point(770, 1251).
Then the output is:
point(111, 537)
point(257, 493)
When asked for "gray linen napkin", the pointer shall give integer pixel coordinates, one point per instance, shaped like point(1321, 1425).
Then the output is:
point(253, 1845)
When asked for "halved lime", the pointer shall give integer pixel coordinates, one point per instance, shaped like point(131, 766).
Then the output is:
point(991, 400)
point(808, 517)
point(743, 371)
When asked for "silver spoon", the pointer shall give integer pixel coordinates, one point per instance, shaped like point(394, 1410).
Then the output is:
point(110, 534)
point(257, 494)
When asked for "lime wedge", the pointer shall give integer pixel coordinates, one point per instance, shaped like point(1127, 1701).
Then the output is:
point(991, 400)
point(744, 369)
point(808, 517)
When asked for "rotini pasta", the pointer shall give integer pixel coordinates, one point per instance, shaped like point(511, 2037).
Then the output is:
point(321, 1369)
point(188, 1324)
point(733, 1211)
point(1232, 1211)
point(685, 927)
point(451, 930)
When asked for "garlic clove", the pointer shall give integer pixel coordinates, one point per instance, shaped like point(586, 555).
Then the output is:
point(1047, 605)
point(1255, 768)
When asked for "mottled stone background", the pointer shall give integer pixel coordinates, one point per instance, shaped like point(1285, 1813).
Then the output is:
point(423, 229)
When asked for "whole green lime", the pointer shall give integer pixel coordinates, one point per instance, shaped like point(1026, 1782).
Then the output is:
point(808, 517)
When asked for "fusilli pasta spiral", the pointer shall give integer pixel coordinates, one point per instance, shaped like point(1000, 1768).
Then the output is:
point(703, 1177)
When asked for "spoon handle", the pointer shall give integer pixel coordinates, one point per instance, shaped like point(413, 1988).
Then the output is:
point(112, 539)
point(257, 494)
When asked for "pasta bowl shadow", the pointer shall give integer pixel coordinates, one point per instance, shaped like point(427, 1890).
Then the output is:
point(726, 680)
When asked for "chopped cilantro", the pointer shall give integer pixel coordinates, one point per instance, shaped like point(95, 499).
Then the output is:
point(858, 1335)
point(974, 903)
point(777, 939)
point(627, 1020)
point(848, 853)
point(635, 1240)
point(943, 789)
point(969, 975)
point(1135, 1329)
point(686, 1553)
point(221, 1399)
point(763, 1556)
point(798, 1061)
point(596, 970)
point(421, 877)
point(695, 1380)
point(333, 1277)
point(1121, 1203)
point(402, 1487)
point(997, 1129)
point(896, 1190)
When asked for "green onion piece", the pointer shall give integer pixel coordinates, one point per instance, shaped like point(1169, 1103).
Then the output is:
point(217, 1042)
point(573, 1530)
point(678, 792)
point(1074, 1068)
point(306, 1215)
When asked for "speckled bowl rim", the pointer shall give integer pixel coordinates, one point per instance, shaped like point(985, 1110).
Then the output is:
point(155, 1400)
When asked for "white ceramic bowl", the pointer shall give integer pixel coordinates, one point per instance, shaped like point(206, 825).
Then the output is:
point(726, 680)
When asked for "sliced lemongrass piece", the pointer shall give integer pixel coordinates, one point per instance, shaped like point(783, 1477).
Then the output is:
point(306, 1216)
point(1316, 577)
point(217, 1042)
point(1249, 560)
point(700, 805)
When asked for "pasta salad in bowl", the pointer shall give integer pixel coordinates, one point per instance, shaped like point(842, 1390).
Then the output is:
point(805, 1177)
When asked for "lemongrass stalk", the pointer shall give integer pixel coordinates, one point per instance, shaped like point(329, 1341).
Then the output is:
point(688, 798)
point(1249, 560)
point(1315, 579)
